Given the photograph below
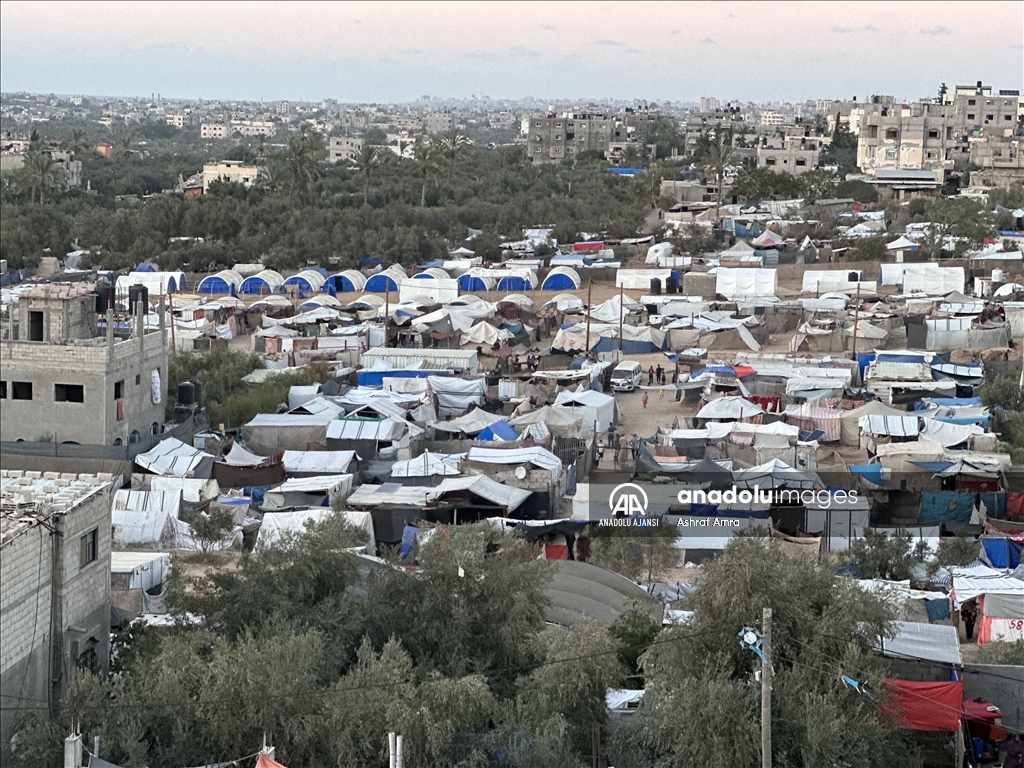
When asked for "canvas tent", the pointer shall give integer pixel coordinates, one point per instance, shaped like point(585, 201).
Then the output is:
point(596, 410)
point(348, 281)
point(308, 282)
point(144, 518)
point(730, 409)
point(264, 282)
point(746, 282)
point(640, 279)
point(561, 279)
point(224, 282)
point(172, 457)
point(926, 277)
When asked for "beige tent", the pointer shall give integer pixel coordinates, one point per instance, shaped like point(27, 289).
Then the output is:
point(850, 420)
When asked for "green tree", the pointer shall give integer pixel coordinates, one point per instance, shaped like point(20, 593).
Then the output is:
point(40, 174)
point(881, 556)
point(367, 162)
point(637, 553)
point(635, 630)
point(425, 158)
point(76, 143)
point(765, 184)
point(715, 153)
point(818, 184)
point(859, 190)
point(453, 146)
point(842, 152)
point(960, 220)
point(1003, 391)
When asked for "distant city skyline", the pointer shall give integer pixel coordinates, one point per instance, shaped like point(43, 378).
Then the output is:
point(396, 52)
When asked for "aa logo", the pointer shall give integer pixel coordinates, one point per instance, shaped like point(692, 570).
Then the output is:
point(628, 500)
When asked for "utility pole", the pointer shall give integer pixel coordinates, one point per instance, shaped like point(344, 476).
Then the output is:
point(766, 689)
point(387, 310)
point(856, 317)
point(621, 308)
point(590, 286)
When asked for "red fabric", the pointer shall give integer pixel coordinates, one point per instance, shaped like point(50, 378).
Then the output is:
point(742, 371)
point(925, 706)
point(1015, 505)
point(265, 762)
point(556, 552)
point(590, 245)
point(768, 403)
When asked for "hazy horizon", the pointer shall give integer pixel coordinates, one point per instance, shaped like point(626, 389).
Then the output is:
point(361, 52)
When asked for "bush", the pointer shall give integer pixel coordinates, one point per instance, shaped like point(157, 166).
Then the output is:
point(1002, 653)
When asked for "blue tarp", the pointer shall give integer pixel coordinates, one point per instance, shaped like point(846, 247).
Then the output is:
point(864, 359)
point(629, 347)
point(369, 261)
point(408, 539)
point(949, 506)
point(380, 283)
point(514, 283)
point(995, 503)
point(304, 286)
point(620, 171)
point(146, 266)
point(340, 282)
point(870, 472)
point(955, 402)
point(895, 357)
point(255, 285)
point(933, 466)
point(215, 286)
point(558, 282)
point(937, 609)
point(469, 283)
point(370, 378)
point(1001, 551)
point(983, 420)
point(499, 430)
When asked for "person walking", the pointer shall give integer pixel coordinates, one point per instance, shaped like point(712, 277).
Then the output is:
point(650, 376)
point(968, 614)
point(659, 374)
point(644, 400)
point(600, 453)
point(661, 393)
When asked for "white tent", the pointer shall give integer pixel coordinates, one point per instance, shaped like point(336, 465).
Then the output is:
point(746, 282)
point(277, 524)
point(767, 238)
point(172, 457)
point(741, 248)
point(901, 243)
point(729, 408)
point(473, 422)
point(144, 518)
point(926, 277)
point(640, 279)
point(428, 464)
point(428, 290)
point(485, 334)
point(596, 410)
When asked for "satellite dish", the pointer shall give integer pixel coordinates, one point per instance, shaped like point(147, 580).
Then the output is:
point(521, 473)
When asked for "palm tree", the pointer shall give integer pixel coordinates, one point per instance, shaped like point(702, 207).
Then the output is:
point(425, 157)
point(261, 140)
point(820, 125)
point(369, 159)
point(631, 156)
point(716, 154)
point(453, 145)
point(124, 149)
point(76, 145)
point(298, 163)
point(40, 173)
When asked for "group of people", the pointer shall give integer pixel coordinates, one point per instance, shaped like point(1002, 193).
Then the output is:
point(655, 374)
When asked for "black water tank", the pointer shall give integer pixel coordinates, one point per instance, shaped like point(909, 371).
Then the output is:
point(198, 385)
point(671, 285)
point(104, 298)
point(186, 393)
point(137, 293)
point(655, 286)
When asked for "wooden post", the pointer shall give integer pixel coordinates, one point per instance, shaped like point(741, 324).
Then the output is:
point(590, 285)
point(856, 317)
point(766, 689)
point(621, 308)
point(170, 306)
point(387, 311)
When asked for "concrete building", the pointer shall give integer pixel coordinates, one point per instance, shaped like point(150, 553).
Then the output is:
point(213, 131)
point(771, 117)
point(439, 122)
point(176, 120)
point(233, 171)
point(999, 161)
point(553, 139)
point(252, 127)
point(63, 381)
point(55, 539)
point(709, 104)
point(344, 149)
point(794, 155)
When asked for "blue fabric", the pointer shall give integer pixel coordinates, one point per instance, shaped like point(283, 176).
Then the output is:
point(256, 492)
point(408, 539)
point(514, 283)
point(933, 466)
point(983, 420)
point(864, 359)
point(895, 357)
point(629, 346)
point(937, 609)
point(950, 506)
point(499, 430)
point(955, 401)
point(1002, 552)
point(470, 283)
point(380, 283)
point(558, 282)
point(870, 472)
point(995, 503)
point(376, 378)
point(215, 285)
point(255, 285)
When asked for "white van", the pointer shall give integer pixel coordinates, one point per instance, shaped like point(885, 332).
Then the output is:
point(626, 376)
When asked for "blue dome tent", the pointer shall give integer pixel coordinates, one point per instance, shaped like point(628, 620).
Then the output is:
point(261, 283)
point(561, 279)
point(225, 282)
point(308, 281)
point(387, 280)
point(470, 282)
point(347, 281)
point(514, 283)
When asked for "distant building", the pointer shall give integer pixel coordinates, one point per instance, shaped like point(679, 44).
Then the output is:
point(55, 538)
point(104, 149)
point(439, 122)
point(176, 120)
point(793, 155)
point(213, 131)
point(553, 139)
point(770, 117)
point(66, 379)
point(233, 171)
point(709, 104)
point(344, 149)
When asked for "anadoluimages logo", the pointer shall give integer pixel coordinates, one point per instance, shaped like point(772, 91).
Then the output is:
point(628, 500)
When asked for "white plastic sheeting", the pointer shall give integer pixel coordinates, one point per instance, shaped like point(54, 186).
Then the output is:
point(898, 426)
point(277, 524)
point(744, 282)
point(143, 518)
point(535, 455)
point(973, 581)
point(172, 457)
point(428, 290)
point(729, 408)
point(948, 435)
point(640, 279)
point(473, 422)
point(926, 277)
point(317, 462)
point(429, 464)
point(455, 396)
point(596, 410)
point(926, 642)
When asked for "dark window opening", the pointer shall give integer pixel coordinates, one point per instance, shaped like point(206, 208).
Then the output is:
point(21, 390)
point(69, 393)
point(35, 326)
point(138, 379)
point(933, 134)
point(3, 390)
point(118, 390)
point(801, 162)
point(970, 116)
point(87, 548)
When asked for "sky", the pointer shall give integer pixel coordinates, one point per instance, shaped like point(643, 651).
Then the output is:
point(399, 51)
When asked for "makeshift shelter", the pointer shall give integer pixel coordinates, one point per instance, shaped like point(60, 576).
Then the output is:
point(455, 396)
point(640, 279)
point(472, 423)
point(499, 431)
point(224, 282)
point(1000, 599)
point(850, 420)
point(483, 334)
point(596, 410)
point(315, 491)
point(308, 282)
point(730, 409)
point(172, 457)
point(313, 463)
point(240, 469)
point(578, 591)
point(476, 280)
point(561, 279)
point(348, 281)
point(926, 277)
point(144, 518)
point(924, 706)
point(426, 289)
point(428, 464)
point(270, 433)
point(746, 282)
point(262, 283)
point(812, 417)
point(516, 282)
point(767, 239)
point(559, 421)
point(157, 283)
point(277, 524)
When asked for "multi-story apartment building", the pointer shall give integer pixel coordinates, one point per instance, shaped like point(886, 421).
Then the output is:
point(929, 135)
point(65, 379)
point(55, 536)
point(771, 117)
point(794, 155)
point(709, 104)
point(176, 120)
point(213, 131)
point(344, 149)
point(439, 122)
point(553, 139)
point(234, 171)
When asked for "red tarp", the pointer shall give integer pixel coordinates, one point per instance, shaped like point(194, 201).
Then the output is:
point(925, 706)
point(265, 762)
point(742, 371)
point(590, 245)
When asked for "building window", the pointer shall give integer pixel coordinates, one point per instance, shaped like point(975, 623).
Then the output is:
point(154, 428)
point(971, 102)
point(69, 393)
point(990, 117)
point(770, 161)
point(138, 379)
point(933, 134)
point(118, 390)
point(801, 163)
point(21, 390)
point(1007, 117)
point(970, 115)
point(35, 326)
point(3, 390)
point(890, 154)
point(87, 548)
point(890, 133)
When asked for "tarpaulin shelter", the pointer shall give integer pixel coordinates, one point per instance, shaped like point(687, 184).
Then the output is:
point(456, 396)
point(559, 421)
point(516, 282)
point(427, 289)
point(499, 431)
point(316, 491)
point(432, 273)
point(476, 280)
point(385, 281)
point(144, 518)
point(927, 277)
point(473, 422)
point(595, 409)
point(924, 706)
point(312, 463)
point(263, 282)
point(224, 282)
point(640, 279)
point(851, 419)
point(308, 282)
point(172, 457)
point(730, 409)
point(1000, 599)
point(428, 464)
point(157, 283)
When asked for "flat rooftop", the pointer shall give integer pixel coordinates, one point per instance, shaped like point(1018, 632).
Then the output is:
point(26, 498)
